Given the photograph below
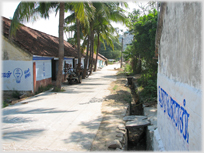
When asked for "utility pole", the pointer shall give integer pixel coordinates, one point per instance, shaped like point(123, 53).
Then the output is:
point(121, 54)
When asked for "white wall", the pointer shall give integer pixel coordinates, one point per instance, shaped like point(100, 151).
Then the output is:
point(17, 75)
point(179, 115)
point(98, 64)
point(179, 77)
point(43, 69)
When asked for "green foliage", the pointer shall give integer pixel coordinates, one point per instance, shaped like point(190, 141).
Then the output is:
point(141, 52)
point(107, 51)
point(5, 104)
point(149, 84)
point(115, 87)
point(128, 68)
point(127, 54)
point(128, 98)
point(144, 36)
point(15, 94)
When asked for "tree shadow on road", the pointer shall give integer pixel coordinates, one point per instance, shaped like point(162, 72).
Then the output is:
point(34, 111)
point(84, 137)
point(23, 134)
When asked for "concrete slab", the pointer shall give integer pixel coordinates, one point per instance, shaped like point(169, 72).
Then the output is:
point(137, 123)
point(63, 121)
point(133, 117)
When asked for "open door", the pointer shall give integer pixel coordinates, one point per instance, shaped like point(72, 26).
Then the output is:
point(34, 77)
point(54, 72)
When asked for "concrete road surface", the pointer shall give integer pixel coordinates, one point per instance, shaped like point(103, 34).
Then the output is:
point(65, 121)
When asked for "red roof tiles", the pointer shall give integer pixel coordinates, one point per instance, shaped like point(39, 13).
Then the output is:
point(36, 42)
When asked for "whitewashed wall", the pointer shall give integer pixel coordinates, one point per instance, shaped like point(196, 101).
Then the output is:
point(179, 78)
point(17, 75)
point(98, 64)
point(43, 69)
point(179, 115)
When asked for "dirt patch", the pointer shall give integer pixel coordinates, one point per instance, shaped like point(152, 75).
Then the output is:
point(10, 98)
point(113, 109)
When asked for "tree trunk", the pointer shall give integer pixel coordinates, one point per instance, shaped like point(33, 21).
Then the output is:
point(86, 60)
point(61, 48)
point(97, 53)
point(92, 58)
point(140, 65)
point(121, 60)
point(78, 43)
point(92, 50)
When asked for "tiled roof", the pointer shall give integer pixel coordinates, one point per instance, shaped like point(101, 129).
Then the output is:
point(100, 57)
point(36, 42)
point(103, 57)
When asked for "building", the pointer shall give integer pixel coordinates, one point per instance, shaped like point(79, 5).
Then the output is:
point(179, 81)
point(30, 59)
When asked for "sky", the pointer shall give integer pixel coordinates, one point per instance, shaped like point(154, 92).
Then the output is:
point(49, 26)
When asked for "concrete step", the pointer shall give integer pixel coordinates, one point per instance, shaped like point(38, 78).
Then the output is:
point(137, 123)
point(133, 117)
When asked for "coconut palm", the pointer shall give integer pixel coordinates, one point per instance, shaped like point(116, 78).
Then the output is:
point(99, 25)
point(80, 16)
point(82, 26)
point(105, 13)
point(61, 47)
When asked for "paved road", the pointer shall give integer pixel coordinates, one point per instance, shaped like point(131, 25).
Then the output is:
point(66, 121)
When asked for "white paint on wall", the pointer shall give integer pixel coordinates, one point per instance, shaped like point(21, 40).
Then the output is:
point(17, 75)
point(179, 115)
point(43, 69)
point(98, 64)
point(157, 142)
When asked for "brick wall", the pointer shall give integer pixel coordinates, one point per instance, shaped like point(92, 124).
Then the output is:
point(43, 83)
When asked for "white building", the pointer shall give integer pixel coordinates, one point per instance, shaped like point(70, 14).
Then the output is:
point(179, 82)
point(30, 60)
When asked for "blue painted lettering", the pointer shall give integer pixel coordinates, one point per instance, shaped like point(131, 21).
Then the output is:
point(6, 75)
point(178, 114)
point(27, 73)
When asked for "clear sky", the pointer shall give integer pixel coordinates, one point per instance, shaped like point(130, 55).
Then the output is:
point(49, 26)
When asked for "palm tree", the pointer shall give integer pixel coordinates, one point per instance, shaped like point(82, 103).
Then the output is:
point(105, 13)
point(99, 23)
point(61, 47)
point(80, 16)
point(31, 10)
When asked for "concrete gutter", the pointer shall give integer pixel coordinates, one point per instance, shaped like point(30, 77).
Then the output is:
point(153, 140)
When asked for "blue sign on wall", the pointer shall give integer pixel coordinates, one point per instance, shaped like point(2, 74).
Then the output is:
point(18, 74)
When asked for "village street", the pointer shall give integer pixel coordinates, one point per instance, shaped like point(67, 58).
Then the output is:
point(64, 121)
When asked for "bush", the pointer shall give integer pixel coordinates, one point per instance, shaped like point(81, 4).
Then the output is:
point(128, 68)
point(149, 84)
point(5, 104)
point(15, 94)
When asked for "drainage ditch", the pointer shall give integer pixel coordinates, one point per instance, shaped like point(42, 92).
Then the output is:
point(137, 136)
